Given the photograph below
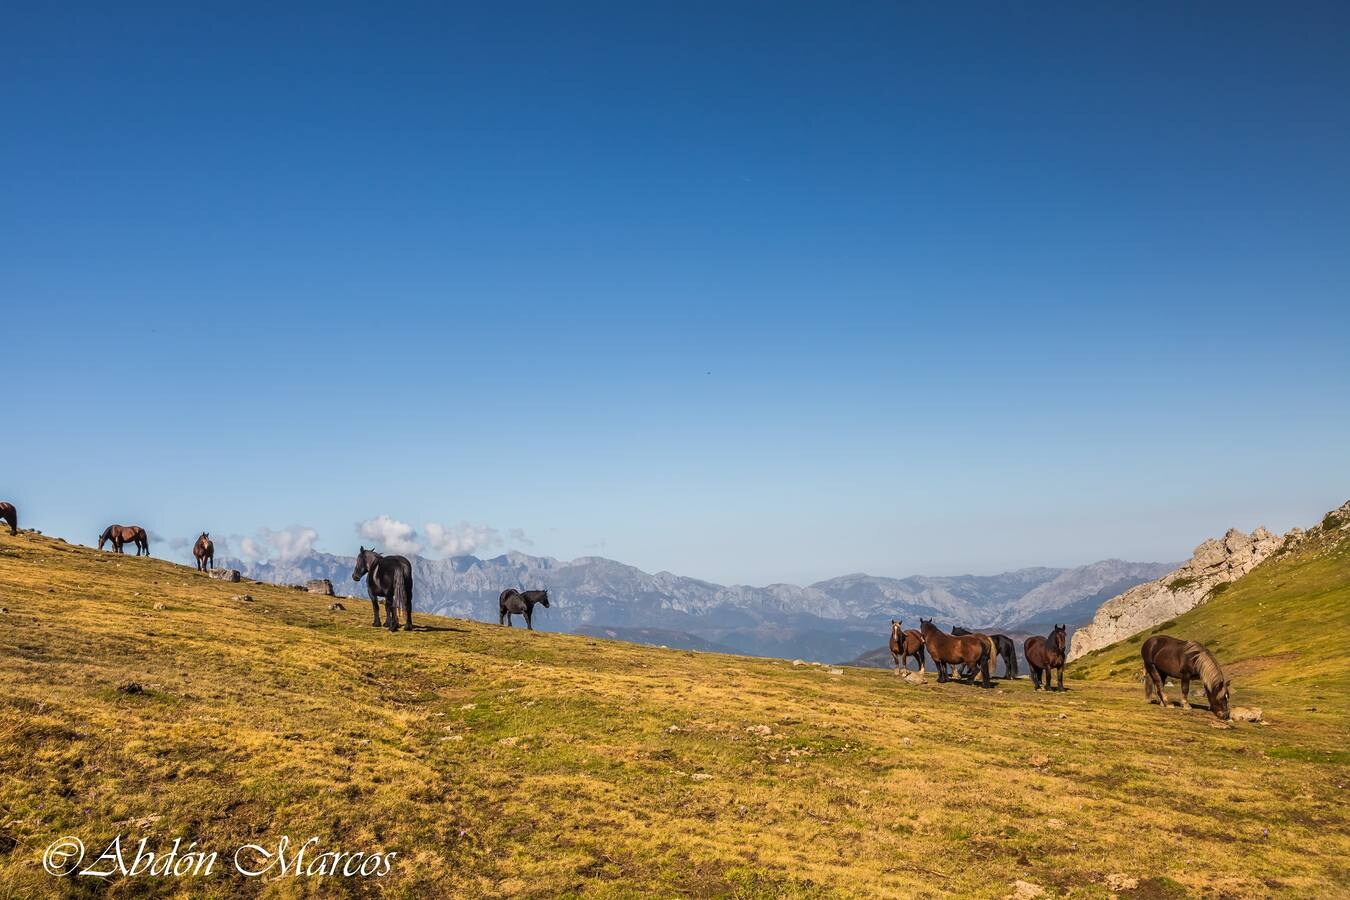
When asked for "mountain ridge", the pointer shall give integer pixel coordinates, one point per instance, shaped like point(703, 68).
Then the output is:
point(833, 619)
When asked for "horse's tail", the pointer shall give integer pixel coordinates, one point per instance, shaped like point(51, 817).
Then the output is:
point(402, 594)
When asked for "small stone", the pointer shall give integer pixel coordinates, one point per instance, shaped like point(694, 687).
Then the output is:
point(1246, 714)
point(244, 598)
point(1025, 890)
point(1216, 723)
point(798, 662)
point(759, 729)
point(130, 687)
point(336, 607)
point(836, 671)
point(224, 574)
point(674, 729)
point(159, 606)
point(320, 586)
point(1119, 881)
point(508, 741)
point(702, 776)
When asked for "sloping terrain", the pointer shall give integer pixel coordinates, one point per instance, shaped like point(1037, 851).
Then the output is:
point(1283, 625)
point(499, 762)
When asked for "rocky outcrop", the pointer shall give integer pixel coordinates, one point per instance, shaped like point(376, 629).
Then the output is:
point(224, 574)
point(1215, 562)
point(320, 586)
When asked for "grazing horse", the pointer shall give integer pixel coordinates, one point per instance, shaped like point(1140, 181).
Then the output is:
point(9, 514)
point(1168, 657)
point(1003, 646)
point(389, 577)
point(205, 552)
point(125, 534)
point(1046, 653)
point(519, 603)
point(905, 644)
point(969, 650)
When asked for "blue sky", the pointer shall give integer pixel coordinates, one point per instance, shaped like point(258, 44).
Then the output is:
point(750, 292)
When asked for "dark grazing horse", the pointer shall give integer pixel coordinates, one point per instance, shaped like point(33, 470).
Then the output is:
point(905, 644)
point(1003, 646)
point(1046, 653)
point(9, 514)
point(125, 534)
point(520, 603)
point(389, 577)
point(1168, 657)
point(205, 552)
point(971, 650)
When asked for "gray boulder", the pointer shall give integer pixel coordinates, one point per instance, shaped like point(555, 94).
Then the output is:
point(320, 586)
point(224, 574)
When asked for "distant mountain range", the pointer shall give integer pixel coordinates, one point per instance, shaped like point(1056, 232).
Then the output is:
point(828, 621)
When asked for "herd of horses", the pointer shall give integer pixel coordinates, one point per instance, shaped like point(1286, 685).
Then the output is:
point(963, 653)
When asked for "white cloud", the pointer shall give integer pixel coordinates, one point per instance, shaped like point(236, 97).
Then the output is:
point(461, 540)
point(287, 544)
point(390, 534)
point(517, 536)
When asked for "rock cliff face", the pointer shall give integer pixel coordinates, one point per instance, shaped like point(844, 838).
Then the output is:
point(1215, 562)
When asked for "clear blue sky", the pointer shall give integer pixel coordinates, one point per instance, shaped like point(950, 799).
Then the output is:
point(750, 292)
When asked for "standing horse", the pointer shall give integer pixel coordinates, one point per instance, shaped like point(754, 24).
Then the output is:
point(519, 603)
point(1046, 653)
point(1168, 657)
point(9, 514)
point(1003, 647)
point(905, 644)
point(205, 552)
point(969, 650)
point(389, 577)
point(125, 534)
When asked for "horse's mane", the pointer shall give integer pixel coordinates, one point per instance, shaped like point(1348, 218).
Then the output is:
point(1205, 664)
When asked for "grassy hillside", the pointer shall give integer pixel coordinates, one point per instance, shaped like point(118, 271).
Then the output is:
point(1282, 630)
point(500, 762)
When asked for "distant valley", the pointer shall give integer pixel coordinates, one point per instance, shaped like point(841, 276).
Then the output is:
point(829, 621)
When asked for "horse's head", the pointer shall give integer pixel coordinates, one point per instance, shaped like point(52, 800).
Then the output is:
point(206, 536)
point(926, 625)
point(104, 537)
point(1059, 637)
point(895, 627)
point(1218, 698)
point(363, 562)
point(543, 598)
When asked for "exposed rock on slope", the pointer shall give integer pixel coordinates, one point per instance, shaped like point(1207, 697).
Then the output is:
point(1215, 562)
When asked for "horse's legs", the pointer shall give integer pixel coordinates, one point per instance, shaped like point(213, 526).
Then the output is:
point(1161, 681)
point(501, 617)
point(1035, 676)
point(508, 619)
point(984, 670)
point(529, 618)
point(1185, 692)
point(375, 611)
point(895, 658)
point(1059, 674)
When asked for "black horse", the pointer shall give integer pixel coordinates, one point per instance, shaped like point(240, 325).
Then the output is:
point(1005, 648)
point(388, 577)
point(519, 603)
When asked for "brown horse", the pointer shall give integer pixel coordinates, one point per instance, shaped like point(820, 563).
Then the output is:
point(949, 650)
point(9, 514)
point(125, 534)
point(905, 644)
point(205, 552)
point(1046, 653)
point(1168, 657)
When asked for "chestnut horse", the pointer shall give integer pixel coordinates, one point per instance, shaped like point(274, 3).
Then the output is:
point(1003, 646)
point(1046, 653)
point(125, 534)
point(11, 515)
point(905, 644)
point(205, 552)
point(1168, 657)
point(949, 650)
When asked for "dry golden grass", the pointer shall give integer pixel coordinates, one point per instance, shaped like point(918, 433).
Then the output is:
point(499, 762)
